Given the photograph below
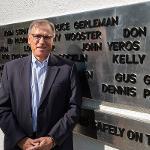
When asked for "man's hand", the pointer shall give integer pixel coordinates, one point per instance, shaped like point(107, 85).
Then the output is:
point(45, 143)
point(27, 144)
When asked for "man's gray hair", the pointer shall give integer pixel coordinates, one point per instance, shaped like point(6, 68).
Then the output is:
point(40, 22)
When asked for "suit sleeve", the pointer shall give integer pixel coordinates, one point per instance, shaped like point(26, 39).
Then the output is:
point(65, 125)
point(8, 123)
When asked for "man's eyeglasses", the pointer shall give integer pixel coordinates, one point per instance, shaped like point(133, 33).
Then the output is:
point(37, 37)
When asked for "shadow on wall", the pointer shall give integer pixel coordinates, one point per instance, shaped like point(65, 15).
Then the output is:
point(80, 60)
point(86, 124)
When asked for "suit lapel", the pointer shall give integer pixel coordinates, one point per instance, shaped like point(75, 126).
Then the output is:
point(25, 76)
point(52, 71)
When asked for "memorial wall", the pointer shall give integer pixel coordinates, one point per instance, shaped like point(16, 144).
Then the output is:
point(111, 48)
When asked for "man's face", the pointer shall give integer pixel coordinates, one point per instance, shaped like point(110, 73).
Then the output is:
point(40, 40)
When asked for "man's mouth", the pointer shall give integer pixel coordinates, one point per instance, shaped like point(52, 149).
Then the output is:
point(41, 48)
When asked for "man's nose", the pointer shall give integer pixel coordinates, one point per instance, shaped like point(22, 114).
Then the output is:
point(41, 40)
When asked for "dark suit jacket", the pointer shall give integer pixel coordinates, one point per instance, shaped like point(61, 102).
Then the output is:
point(59, 104)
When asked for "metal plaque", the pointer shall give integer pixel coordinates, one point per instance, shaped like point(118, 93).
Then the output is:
point(111, 49)
point(121, 132)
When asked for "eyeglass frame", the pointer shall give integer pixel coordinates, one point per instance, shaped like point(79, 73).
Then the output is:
point(38, 37)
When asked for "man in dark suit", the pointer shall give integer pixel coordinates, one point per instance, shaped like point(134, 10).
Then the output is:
point(39, 96)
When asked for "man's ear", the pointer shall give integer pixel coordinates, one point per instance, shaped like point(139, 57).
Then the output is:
point(29, 40)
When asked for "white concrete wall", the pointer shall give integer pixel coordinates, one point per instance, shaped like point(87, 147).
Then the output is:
point(13, 11)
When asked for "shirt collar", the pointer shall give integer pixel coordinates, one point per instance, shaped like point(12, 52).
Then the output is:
point(38, 63)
